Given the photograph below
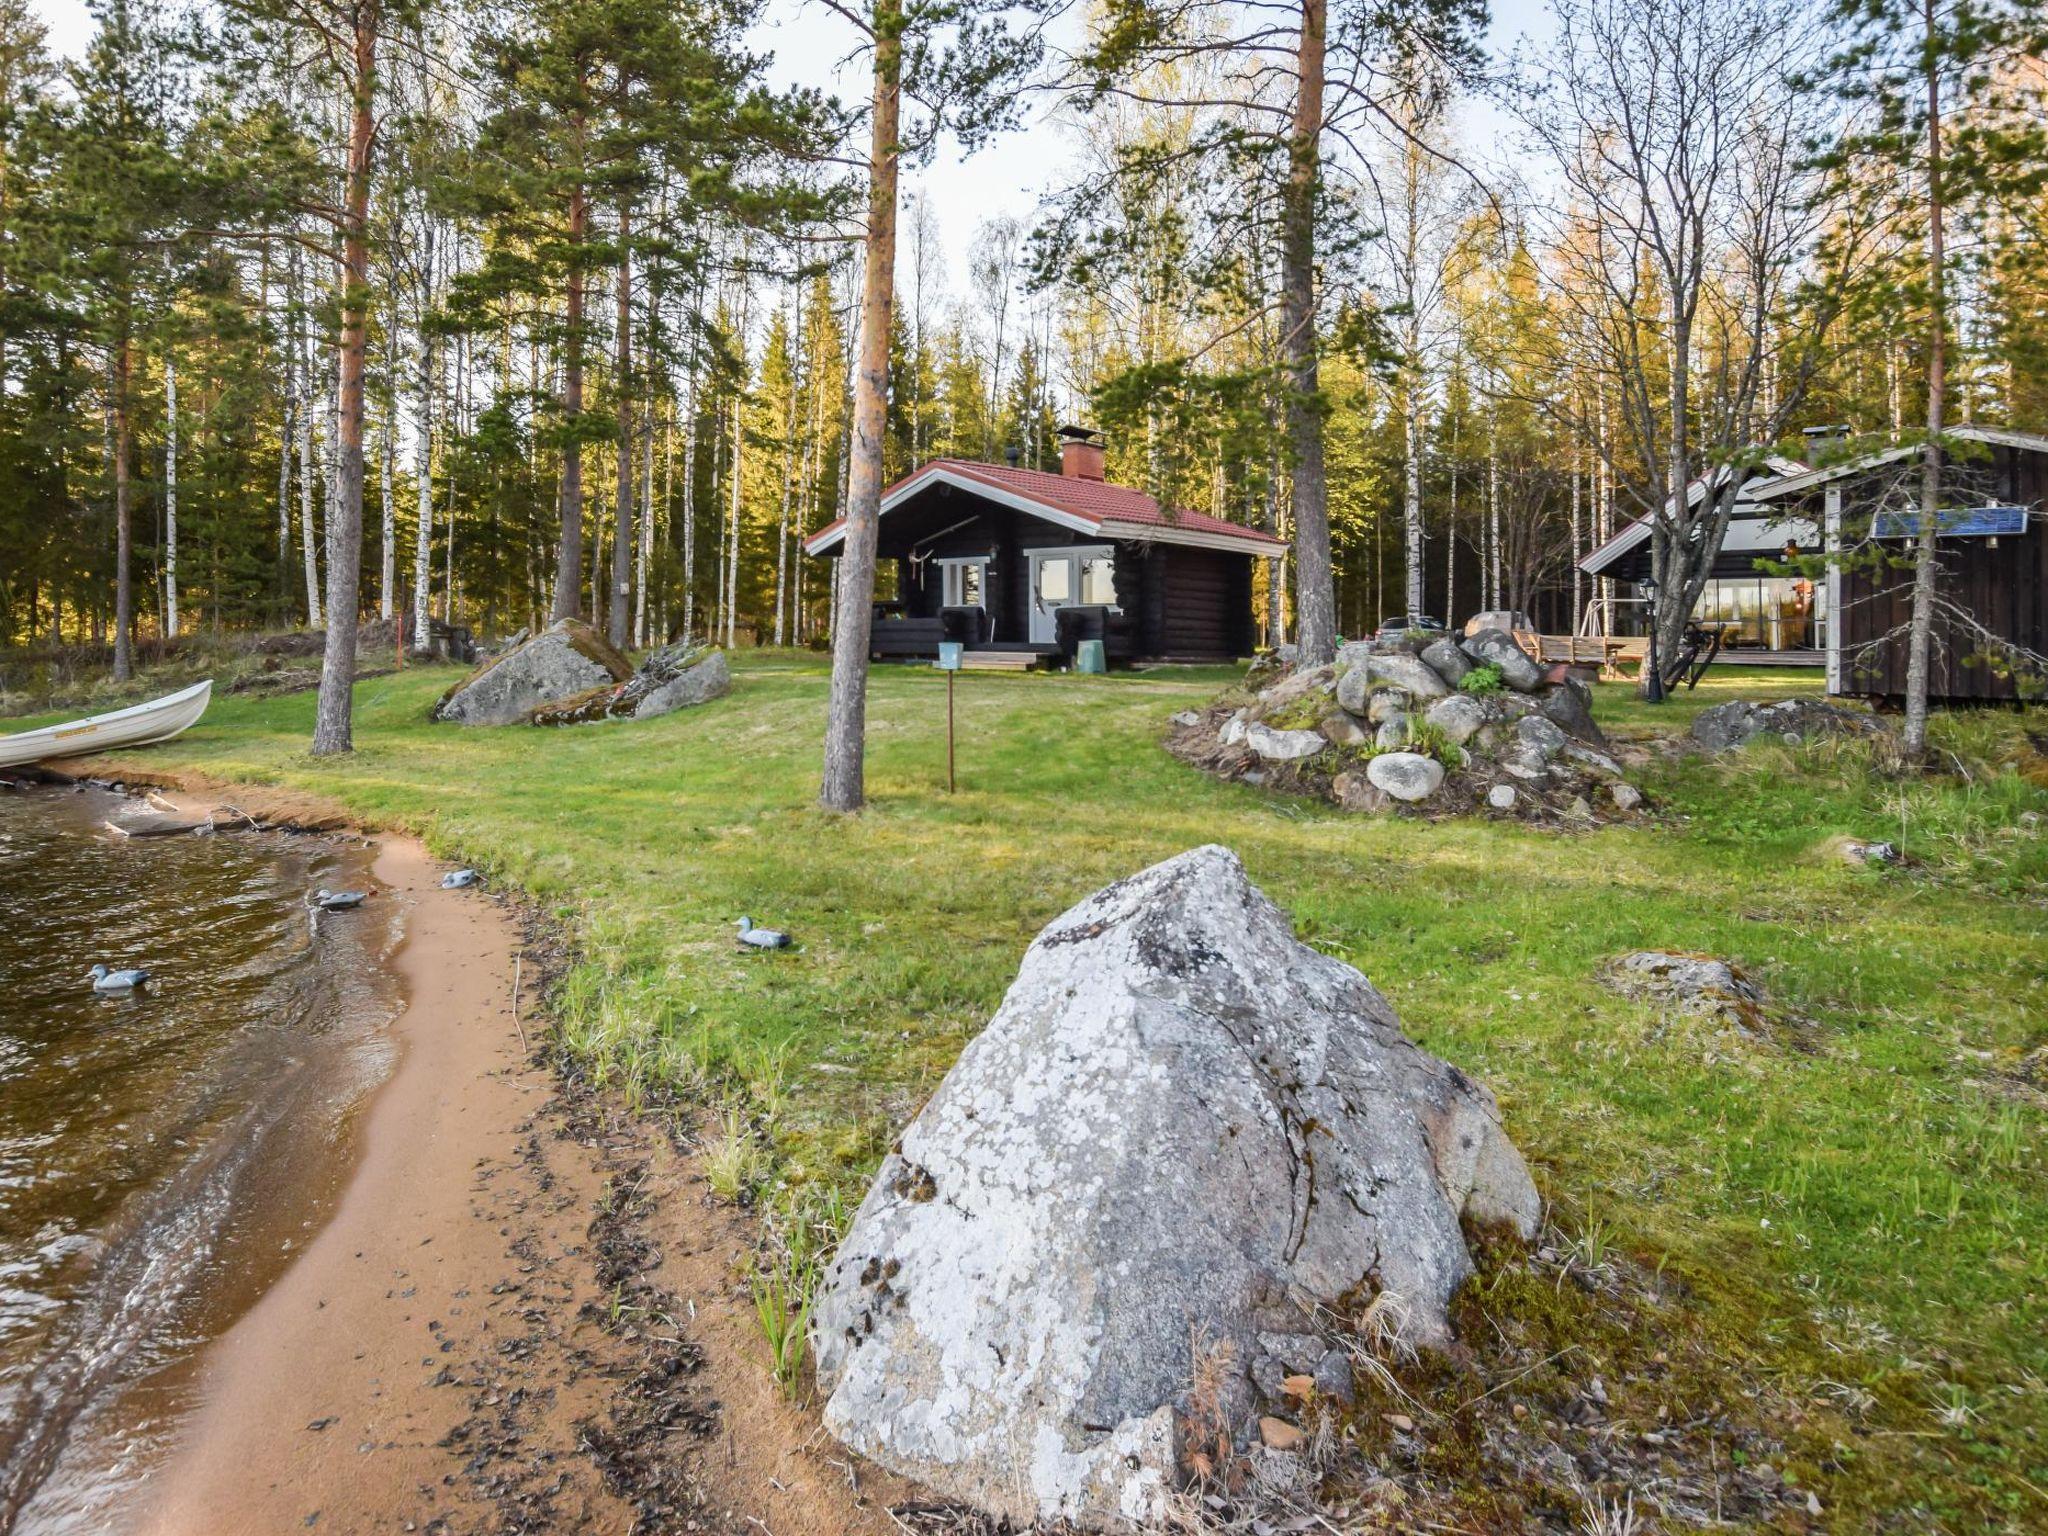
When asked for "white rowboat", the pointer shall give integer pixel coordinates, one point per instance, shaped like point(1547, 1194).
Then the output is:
point(136, 726)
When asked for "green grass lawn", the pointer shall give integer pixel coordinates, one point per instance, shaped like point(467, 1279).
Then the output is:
point(1857, 1208)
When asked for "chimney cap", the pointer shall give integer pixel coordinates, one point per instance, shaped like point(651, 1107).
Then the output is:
point(1071, 433)
point(1822, 434)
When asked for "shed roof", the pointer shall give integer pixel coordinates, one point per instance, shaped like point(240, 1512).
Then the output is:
point(1087, 506)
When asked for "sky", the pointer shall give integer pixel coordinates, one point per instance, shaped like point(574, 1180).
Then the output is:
point(811, 46)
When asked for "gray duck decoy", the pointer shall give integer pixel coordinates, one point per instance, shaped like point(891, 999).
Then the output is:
point(338, 901)
point(104, 980)
point(761, 938)
point(459, 879)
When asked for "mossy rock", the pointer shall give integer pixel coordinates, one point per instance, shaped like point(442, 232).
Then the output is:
point(565, 660)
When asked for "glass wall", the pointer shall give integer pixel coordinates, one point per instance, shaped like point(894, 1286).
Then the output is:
point(1770, 613)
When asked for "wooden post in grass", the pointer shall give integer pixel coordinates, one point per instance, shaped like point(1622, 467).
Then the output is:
point(949, 663)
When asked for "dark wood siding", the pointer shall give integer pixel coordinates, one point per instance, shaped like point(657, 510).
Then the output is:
point(1188, 603)
point(2005, 589)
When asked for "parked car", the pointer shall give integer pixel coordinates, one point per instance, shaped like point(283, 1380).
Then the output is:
point(1403, 623)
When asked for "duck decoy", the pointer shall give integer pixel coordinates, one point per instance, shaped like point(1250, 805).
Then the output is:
point(104, 980)
point(459, 879)
point(338, 901)
point(761, 938)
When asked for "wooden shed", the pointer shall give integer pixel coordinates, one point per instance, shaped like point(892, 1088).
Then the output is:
point(1993, 580)
point(1993, 562)
point(1021, 565)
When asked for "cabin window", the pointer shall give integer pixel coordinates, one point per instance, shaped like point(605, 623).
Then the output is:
point(1098, 580)
point(964, 583)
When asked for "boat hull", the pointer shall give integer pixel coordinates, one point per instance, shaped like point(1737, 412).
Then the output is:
point(139, 725)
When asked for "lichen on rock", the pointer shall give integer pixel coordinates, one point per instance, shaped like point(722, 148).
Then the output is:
point(1181, 1121)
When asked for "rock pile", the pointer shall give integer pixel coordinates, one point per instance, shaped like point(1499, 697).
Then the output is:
point(1183, 1132)
point(1791, 721)
point(1446, 726)
point(570, 673)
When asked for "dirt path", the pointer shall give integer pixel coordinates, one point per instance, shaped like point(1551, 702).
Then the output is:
point(522, 1315)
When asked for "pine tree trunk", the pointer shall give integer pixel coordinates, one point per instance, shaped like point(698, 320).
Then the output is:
point(619, 612)
point(170, 496)
point(332, 729)
point(1315, 594)
point(569, 553)
point(844, 783)
point(1920, 645)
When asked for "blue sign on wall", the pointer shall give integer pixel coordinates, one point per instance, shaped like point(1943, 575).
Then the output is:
point(1953, 523)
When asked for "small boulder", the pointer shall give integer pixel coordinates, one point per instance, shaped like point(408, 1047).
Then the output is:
point(1739, 721)
point(1459, 717)
point(1569, 706)
point(1502, 797)
point(1296, 685)
point(1383, 704)
point(1407, 776)
point(1854, 852)
point(1599, 762)
point(567, 658)
point(1541, 735)
point(1626, 797)
point(1407, 672)
point(1355, 792)
point(1341, 730)
point(1233, 730)
point(1496, 647)
point(1181, 1127)
point(1699, 984)
point(676, 678)
point(1392, 731)
point(1183, 718)
point(1447, 661)
point(1283, 746)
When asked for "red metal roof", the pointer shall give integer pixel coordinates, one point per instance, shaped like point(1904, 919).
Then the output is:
point(1093, 501)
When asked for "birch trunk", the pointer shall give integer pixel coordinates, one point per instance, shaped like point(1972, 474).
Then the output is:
point(124, 538)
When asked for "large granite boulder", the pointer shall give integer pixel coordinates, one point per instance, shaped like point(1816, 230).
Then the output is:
point(565, 659)
point(1182, 1125)
point(1740, 721)
point(1497, 647)
point(671, 678)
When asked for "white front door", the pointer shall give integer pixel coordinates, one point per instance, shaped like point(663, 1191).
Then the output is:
point(1052, 587)
point(1060, 578)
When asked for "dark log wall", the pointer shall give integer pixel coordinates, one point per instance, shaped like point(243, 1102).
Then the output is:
point(1192, 603)
point(2005, 589)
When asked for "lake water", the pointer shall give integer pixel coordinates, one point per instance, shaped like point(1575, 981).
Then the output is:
point(161, 1155)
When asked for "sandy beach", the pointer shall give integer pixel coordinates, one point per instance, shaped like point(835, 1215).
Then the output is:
point(524, 1312)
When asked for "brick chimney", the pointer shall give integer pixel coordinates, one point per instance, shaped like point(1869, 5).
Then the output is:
point(1080, 453)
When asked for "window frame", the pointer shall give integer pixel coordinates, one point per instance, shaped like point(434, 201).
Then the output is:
point(950, 579)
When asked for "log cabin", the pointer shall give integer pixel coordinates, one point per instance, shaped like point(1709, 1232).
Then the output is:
point(1861, 511)
point(1020, 566)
